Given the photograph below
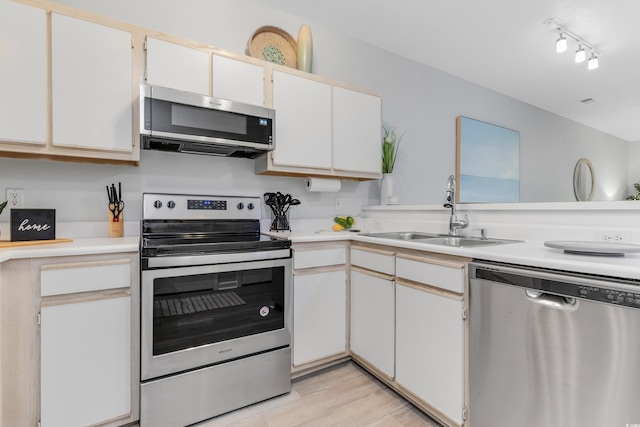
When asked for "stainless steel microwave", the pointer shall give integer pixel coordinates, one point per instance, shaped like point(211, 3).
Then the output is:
point(177, 121)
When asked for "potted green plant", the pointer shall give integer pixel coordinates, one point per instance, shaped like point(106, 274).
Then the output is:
point(390, 145)
point(632, 197)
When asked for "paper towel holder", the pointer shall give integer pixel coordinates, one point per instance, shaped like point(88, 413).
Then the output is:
point(327, 185)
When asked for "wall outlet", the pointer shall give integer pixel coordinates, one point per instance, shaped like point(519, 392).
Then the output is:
point(613, 236)
point(338, 203)
point(15, 198)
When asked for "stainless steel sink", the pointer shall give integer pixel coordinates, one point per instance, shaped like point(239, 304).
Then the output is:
point(440, 239)
point(403, 235)
point(465, 242)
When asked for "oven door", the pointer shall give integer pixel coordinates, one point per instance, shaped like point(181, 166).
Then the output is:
point(202, 315)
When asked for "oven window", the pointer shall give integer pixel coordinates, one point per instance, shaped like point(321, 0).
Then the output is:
point(191, 311)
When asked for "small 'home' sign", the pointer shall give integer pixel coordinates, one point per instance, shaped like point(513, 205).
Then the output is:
point(33, 224)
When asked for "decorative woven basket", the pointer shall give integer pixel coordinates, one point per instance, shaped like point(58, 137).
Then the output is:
point(273, 45)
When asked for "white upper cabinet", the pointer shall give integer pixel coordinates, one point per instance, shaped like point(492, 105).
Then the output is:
point(357, 145)
point(303, 122)
point(323, 129)
point(91, 85)
point(197, 70)
point(237, 80)
point(175, 66)
point(23, 78)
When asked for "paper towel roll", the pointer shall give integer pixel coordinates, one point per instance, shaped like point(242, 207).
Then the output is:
point(327, 185)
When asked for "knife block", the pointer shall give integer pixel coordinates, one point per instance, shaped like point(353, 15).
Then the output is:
point(280, 221)
point(116, 228)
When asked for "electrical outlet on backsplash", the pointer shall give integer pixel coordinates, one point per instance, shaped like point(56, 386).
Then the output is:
point(621, 236)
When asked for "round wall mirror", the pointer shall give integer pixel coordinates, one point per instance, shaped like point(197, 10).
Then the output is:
point(584, 180)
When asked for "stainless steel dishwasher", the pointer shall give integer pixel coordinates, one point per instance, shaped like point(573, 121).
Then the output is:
point(550, 348)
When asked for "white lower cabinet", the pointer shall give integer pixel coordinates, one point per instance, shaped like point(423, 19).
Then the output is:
point(85, 362)
point(319, 304)
point(407, 325)
point(430, 348)
point(89, 345)
point(372, 320)
point(319, 315)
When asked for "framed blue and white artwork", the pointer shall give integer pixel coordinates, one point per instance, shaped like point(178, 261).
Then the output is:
point(487, 162)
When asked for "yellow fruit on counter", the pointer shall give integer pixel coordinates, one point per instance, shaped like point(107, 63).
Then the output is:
point(337, 227)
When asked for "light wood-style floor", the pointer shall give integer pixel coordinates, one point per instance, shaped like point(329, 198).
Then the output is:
point(343, 395)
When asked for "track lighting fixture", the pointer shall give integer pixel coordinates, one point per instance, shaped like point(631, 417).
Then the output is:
point(561, 44)
point(581, 55)
point(583, 45)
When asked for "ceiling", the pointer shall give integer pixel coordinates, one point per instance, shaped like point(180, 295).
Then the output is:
point(504, 45)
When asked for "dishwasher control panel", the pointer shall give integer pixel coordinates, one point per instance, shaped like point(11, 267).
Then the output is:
point(576, 286)
point(612, 296)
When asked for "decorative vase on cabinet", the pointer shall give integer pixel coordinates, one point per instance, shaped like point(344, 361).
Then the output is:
point(305, 48)
point(386, 188)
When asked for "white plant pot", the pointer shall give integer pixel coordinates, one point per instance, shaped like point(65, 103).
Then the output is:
point(386, 188)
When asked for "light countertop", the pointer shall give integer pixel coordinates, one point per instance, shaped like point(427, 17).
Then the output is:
point(82, 246)
point(533, 254)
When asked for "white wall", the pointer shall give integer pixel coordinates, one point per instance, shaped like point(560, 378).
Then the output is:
point(417, 99)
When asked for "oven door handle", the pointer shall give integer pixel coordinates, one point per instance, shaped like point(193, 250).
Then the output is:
point(223, 258)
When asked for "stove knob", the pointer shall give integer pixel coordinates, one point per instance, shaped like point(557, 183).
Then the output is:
point(240, 205)
point(171, 204)
point(157, 204)
point(250, 206)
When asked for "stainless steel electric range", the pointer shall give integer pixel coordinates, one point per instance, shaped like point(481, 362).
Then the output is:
point(215, 308)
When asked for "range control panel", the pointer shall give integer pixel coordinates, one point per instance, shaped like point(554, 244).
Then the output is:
point(216, 205)
point(189, 206)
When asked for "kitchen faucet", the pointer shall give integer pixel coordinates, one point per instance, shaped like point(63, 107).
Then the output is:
point(455, 223)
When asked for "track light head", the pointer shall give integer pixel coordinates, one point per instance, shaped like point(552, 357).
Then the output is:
point(581, 55)
point(561, 44)
point(593, 62)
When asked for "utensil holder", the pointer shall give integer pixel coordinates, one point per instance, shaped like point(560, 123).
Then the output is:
point(280, 222)
point(116, 228)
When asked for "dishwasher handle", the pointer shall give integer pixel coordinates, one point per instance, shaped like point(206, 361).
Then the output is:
point(558, 302)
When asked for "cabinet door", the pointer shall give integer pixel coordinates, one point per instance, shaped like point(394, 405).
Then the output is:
point(319, 315)
point(430, 348)
point(23, 58)
point(373, 320)
point(303, 122)
point(91, 83)
point(237, 80)
point(356, 131)
point(85, 362)
point(178, 67)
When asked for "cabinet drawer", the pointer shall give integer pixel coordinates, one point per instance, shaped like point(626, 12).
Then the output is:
point(376, 261)
point(318, 257)
point(59, 279)
point(449, 277)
